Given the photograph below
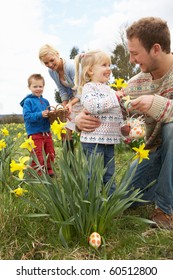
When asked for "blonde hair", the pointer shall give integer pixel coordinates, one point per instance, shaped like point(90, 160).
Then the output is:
point(47, 49)
point(87, 61)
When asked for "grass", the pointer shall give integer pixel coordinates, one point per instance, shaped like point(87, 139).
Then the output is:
point(31, 239)
point(128, 238)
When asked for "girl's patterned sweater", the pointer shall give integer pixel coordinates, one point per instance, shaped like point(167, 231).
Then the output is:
point(161, 110)
point(101, 101)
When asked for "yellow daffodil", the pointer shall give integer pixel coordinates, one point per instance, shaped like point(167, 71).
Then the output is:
point(19, 135)
point(2, 144)
point(5, 131)
point(119, 84)
point(19, 191)
point(141, 153)
point(28, 144)
point(58, 128)
point(20, 166)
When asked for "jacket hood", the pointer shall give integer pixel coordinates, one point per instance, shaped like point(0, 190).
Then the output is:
point(26, 97)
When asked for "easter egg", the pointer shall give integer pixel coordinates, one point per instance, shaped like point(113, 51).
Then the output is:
point(137, 132)
point(59, 106)
point(125, 129)
point(95, 240)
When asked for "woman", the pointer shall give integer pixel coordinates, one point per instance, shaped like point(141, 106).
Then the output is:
point(62, 72)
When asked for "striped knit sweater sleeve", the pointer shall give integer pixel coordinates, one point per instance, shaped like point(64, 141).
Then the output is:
point(161, 110)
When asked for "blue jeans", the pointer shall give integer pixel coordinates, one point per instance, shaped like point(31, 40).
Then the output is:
point(159, 168)
point(108, 155)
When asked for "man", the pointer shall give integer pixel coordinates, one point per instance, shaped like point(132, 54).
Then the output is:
point(152, 95)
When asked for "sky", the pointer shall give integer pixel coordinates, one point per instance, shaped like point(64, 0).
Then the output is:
point(26, 25)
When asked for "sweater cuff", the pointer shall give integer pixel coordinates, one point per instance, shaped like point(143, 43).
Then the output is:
point(156, 108)
point(77, 129)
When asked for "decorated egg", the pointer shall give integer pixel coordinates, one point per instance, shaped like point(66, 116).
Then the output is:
point(137, 132)
point(125, 129)
point(133, 128)
point(95, 240)
point(59, 107)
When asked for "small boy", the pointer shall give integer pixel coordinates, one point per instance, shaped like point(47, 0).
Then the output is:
point(36, 121)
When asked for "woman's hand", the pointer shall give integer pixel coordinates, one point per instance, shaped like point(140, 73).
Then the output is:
point(64, 103)
point(86, 122)
point(69, 108)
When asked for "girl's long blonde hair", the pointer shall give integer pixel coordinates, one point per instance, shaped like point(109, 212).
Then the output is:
point(84, 62)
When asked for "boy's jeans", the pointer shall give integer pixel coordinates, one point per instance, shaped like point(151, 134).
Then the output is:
point(108, 154)
point(159, 168)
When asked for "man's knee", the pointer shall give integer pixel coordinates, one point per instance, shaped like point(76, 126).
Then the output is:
point(167, 131)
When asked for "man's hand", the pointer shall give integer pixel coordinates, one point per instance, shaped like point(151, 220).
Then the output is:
point(142, 103)
point(86, 122)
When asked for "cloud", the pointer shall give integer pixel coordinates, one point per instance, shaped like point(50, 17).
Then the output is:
point(22, 34)
point(106, 30)
point(77, 22)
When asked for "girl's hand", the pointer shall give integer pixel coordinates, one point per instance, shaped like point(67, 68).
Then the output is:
point(119, 93)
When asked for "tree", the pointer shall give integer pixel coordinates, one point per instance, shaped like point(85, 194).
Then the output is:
point(122, 68)
point(74, 52)
point(57, 96)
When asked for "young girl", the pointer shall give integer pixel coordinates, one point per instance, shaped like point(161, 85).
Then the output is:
point(92, 75)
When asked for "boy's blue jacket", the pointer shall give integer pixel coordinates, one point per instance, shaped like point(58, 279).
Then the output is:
point(32, 113)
